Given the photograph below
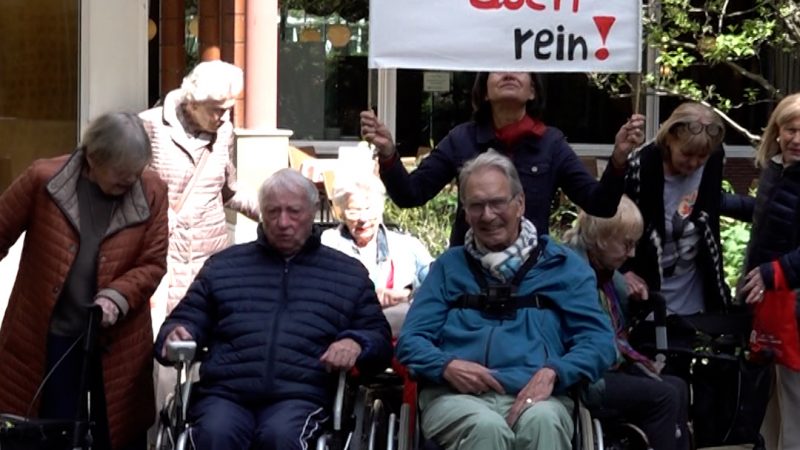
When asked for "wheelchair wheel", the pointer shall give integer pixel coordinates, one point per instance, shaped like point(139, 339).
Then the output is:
point(586, 430)
point(165, 438)
point(377, 426)
point(625, 436)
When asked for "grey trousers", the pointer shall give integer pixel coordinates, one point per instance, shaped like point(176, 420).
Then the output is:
point(780, 428)
point(470, 422)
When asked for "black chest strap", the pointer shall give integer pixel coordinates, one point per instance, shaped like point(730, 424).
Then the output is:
point(501, 300)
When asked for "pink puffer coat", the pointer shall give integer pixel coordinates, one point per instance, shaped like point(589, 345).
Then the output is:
point(199, 229)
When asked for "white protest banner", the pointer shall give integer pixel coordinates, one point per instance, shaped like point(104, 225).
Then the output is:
point(506, 35)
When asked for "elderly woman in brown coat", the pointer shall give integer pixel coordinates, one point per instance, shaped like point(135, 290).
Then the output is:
point(96, 233)
point(192, 137)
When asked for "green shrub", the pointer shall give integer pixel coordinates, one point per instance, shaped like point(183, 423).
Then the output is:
point(734, 236)
point(430, 223)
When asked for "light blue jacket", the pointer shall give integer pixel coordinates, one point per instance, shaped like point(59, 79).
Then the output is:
point(574, 339)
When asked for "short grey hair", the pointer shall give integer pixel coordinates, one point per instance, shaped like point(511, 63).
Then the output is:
point(212, 81)
point(287, 180)
point(371, 186)
point(489, 160)
point(117, 140)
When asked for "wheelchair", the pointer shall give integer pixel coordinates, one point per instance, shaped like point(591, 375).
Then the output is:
point(729, 391)
point(384, 422)
point(362, 415)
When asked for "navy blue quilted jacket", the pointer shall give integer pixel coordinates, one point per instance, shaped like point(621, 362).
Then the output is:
point(545, 164)
point(775, 214)
point(266, 321)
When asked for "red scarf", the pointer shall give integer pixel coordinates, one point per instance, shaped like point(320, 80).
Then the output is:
point(510, 134)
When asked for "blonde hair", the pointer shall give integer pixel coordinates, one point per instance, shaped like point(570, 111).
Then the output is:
point(212, 81)
point(787, 110)
point(591, 232)
point(686, 113)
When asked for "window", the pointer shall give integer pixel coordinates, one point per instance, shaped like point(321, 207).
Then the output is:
point(39, 83)
point(322, 75)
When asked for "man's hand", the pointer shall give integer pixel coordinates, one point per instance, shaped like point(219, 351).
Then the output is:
point(110, 311)
point(341, 355)
point(178, 333)
point(468, 377)
point(392, 297)
point(629, 136)
point(637, 287)
point(539, 388)
point(377, 134)
point(754, 286)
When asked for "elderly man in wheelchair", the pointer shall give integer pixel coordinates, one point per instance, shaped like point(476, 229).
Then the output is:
point(279, 317)
point(503, 326)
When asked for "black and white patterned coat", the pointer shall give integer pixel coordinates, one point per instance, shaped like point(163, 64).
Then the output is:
point(644, 184)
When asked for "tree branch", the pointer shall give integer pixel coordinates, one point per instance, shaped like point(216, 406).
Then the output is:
point(761, 81)
point(790, 20)
point(753, 138)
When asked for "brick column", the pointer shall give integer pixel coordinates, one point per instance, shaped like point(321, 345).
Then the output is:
point(232, 43)
point(173, 37)
point(261, 149)
point(261, 54)
point(209, 35)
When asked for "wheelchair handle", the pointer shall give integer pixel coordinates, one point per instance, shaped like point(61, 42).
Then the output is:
point(181, 351)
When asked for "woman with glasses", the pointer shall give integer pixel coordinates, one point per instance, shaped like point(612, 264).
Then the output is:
point(397, 263)
point(677, 183)
point(507, 109)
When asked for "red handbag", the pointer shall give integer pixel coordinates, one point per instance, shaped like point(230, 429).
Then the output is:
point(775, 325)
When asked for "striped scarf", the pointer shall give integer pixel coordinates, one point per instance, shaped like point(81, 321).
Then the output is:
point(503, 265)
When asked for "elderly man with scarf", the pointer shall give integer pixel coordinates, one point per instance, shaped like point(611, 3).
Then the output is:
point(503, 326)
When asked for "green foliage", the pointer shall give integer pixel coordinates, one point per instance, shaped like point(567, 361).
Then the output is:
point(430, 223)
point(714, 34)
point(562, 215)
point(734, 235)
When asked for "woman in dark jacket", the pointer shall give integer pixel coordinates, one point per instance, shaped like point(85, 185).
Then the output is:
point(507, 110)
point(677, 183)
point(775, 236)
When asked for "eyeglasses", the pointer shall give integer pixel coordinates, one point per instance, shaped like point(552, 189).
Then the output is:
point(496, 205)
point(694, 127)
point(363, 214)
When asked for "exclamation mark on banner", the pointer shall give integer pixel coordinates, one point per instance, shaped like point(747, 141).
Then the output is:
point(603, 24)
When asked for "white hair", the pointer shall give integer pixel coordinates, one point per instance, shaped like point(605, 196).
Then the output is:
point(213, 81)
point(370, 186)
point(288, 179)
